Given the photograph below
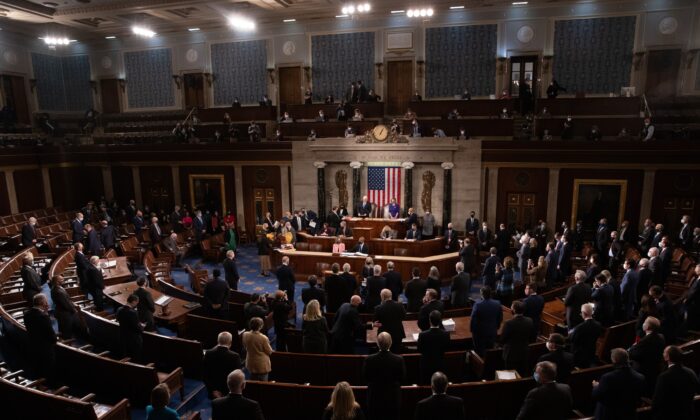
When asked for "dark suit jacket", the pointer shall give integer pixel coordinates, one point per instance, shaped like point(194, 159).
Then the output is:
point(218, 363)
point(375, 284)
point(484, 239)
point(468, 256)
point(108, 236)
point(564, 261)
point(338, 292)
point(94, 247)
point(130, 331)
point(534, 305)
point(154, 234)
point(564, 361)
point(40, 334)
point(363, 248)
point(488, 273)
point(413, 234)
point(145, 308)
point(310, 293)
point(472, 225)
point(410, 220)
point(231, 273)
point(81, 265)
point(656, 272)
point(523, 255)
point(363, 210)
point(138, 224)
point(28, 235)
point(351, 282)
point(94, 278)
point(576, 295)
point(628, 290)
point(618, 394)
point(603, 297)
point(77, 228)
point(515, 338)
point(394, 283)
point(486, 318)
point(216, 292)
point(460, 289)
point(602, 238)
point(440, 406)
point(550, 401)
point(647, 356)
point(583, 342)
point(31, 282)
point(346, 324)
point(384, 372)
point(451, 239)
point(415, 290)
point(235, 406)
point(673, 395)
point(285, 277)
point(432, 345)
point(391, 315)
point(424, 313)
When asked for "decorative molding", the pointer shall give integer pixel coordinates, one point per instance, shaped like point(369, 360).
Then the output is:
point(420, 71)
point(271, 75)
point(355, 164)
point(178, 81)
point(320, 164)
point(379, 67)
point(637, 59)
point(447, 165)
point(408, 165)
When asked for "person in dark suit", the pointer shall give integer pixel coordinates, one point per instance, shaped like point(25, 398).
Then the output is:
point(29, 233)
point(218, 362)
point(313, 292)
point(645, 279)
point(602, 239)
point(199, 227)
point(346, 327)
point(471, 225)
point(665, 255)
point(503, 238)
point(130, 329)
point(138, 222)
point(564, 260)
point(363, 209)
point(658, 235)
point(461, 287)
point(550, 400)
point(154, 231)
point(31, 280)
point(384, 373)
point(415, 290)
point(576, 295)
point(146, 306)
point(349, 278)
point(440, 405)
point(523, 255)
point(231, 270)
point(41, 338)
point(692, 302)
point(413, 233)
point(81, 265)
point(618, 393)
point(375, 284)
point(337, 290)
point(685, 235)
point(655, 267)
point(675, 389)
point(515, 339)
point(432, 345)
point(411, 218)
point(451, 239)
point(484, 237)
point(628, 289)
point(235, 405)
point(614, 252)
point(552, 259)
point(280, 307)
point(285, 278)
point(563, 360)
point(388, 317)
point(77, 228)
point(431, 302)
point(646, 236)
point(666, 312)
point(361, 246)
point(647, 354)
point(534, 305)
point(488, 273)
point(108, 235)
point(603, 296)
point(583, 338)
point(95, 282)
point(467, 255)
point(216, 293)
point(485, 320)
point(393, 281)
point(94, 246)
point(65, 311)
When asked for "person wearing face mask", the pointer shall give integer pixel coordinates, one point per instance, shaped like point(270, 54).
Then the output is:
point(646, 236)
point(685, 237)
point(619, 392)
point(41, 338)
point(560, 357)
point(484, 237)
point(594, 134)
point(428, 225)
point(550, 400)
point(658, 235)
point(472, 224)
point(675, 389)
point(567, 132)
point(415, 128)
point(77, 228)
point(647, 132)
point(541, 234)
point(504, 114)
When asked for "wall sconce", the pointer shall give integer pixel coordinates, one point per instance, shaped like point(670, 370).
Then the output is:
point(93, 85)
point(271, 75)
point(421, 64)
point(32, 84)
point(502, 65)
point(209, 78)
point(122, 84)
point(307, 74)
point(379, 67)
point(637, 60)
point(546, 62)
point(178, 80)
point(690, 56)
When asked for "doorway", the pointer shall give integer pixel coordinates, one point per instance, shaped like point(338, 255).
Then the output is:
point(521, 211)
point(523, 81)
point(399, 86)
point(194, 90)
point(16, 96)
point(662, 72)
point(110, 93)
point(290, 85)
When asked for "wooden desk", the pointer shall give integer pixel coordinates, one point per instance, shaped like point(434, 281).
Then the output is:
point(304, 263)
point(461, 333)
point(120, 292)
point(608, 126)
point(590, 106)
point(491, 126)
point(554, 313)
point(326, 129)
point(310, 111)
point(377, 224)
point(376, 246)
point(472, 108)
point(117, 274)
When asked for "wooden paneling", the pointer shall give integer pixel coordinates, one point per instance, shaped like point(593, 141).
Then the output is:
point(260, 177)
point(4, 196)
point(523, 183)
point(399, 86)
point(662, 72)
point(193, 85)
point(226, 171)
point(675, 193)
point(157, 187)
point(73, 187)
point(566, 189)
point(16, 95)
point(290, 85)
point(109, 93)
point(123, 184)
point(29, 185)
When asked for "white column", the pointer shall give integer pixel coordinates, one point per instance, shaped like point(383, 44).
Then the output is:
point(238, 185)
point(136, 175)
point(46, 179)
point(552, 195)
point(177, 194)
point(11, 192)
point(647, 196)
point(287, 198)
point(493, 198)
point(107, 182)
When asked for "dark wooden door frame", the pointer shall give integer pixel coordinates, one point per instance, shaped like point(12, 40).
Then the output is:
point(387, 81)
point(675, 78)
point(184, 87)
point(302, 82)
point(119, 92)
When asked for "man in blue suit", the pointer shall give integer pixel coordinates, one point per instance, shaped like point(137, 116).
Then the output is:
point(564, 260)
point(364, 209)
point(628, 288)
point(485, 320)
point(619, 392)
point(77, 228)
point(534, 305)
point(488, 274)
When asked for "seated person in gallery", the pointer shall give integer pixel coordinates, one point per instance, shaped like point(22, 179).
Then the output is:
point(357, 116)
point(265, 101)
point(321, 117)
point(413, 234)
point(466, 95)
point(647, 132)
point(373, 97)
point(504, 94)
point(546, 136)
point(462, 134)
point(326, 230)
point(254, 132)
point(624, 135)
point(338, 246)
point(504, 114)
point(349, 132)
point(278, 135)
point(312, 135)
point(594, 134)
point(395, 128)
point(438, 132)
point(416, 97)
point(567, 132)
point(553, 89)
point(286, 118)
point(409, 115)
point(545, 113)
point(236, 103)
point(341, 112)
point(227, 118)
point(329, 99)
point(386, 232)
point(415, 128)
point(393, 209)
point(307, 97)
point(453, 115)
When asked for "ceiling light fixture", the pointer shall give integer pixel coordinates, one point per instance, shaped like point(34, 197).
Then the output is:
point(456, 7)
point(519, 3)
point(396, 12)
point(53, 41)
point(414, 13)
point(141, 31)
point(193, 29)
point(352, 9)
point(241, 23)
point(289, 20)
point(341, 16)
point(110, 37)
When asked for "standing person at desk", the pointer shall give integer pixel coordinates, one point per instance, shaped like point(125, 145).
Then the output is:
point(65, 311)
point(41, 338)
point(468, 256)
point(95, 282)
point(485, 320)
point(280, 307)
point(388, 317)
point(216, 293)
point(384, 371)
point(394, 209)
point(313, 292)
point(346, 326)
point(460, 287)
point(285, 278)
point(393, 281)
point(364, 208)
point(413, 234)
point(258, 348)
point(231, 270)
point(361, 246)
point(94, 246)
point(431, 302)
point(338, 246)
point(29, 233)
point(432, 345)
point(411, 218)
point(146, 306)
point(108, 235)
point(314, 329)
point(375, 284)
point(31, 281)
point(130, 329)
point(77, 228)
point(218, 362)
point(451, 239)
point(428, 225)
point(415, 290)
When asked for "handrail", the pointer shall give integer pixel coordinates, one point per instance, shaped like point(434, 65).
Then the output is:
point(647, 109)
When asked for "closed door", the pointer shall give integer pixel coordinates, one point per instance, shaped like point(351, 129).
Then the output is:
point(521, 211)
point(109, 94)
point(194, 90)
point(16, 97)
point(290, 85)
point(263, 201)
point(662, 72)
point(399, 86)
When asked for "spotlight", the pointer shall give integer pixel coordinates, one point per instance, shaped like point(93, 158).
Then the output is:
point(409, 13)
point(351, 9)
point(141, 31)
point(53, 41)
point(241, 23)
point(420, 12)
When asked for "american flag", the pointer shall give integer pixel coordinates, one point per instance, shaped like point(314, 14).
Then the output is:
point(383, 184)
